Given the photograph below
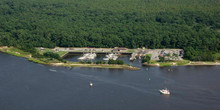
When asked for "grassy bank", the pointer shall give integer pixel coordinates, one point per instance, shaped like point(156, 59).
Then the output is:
point(15, 52)
point(54, 62)
point(180, 63)
point(98, 66)
point(36, 61)
point(61, 53)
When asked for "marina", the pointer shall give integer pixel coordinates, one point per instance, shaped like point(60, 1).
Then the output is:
point(109, 55)
point(113, 53)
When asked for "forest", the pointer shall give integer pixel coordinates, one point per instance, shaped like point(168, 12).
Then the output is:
point(192, 25)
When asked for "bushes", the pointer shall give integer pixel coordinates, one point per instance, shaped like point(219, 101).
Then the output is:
point(100, 62)
point(147, 59)
point(30, 49)
point(53, 55)
point(119, 62)
point(162, 59)
point(85, 62)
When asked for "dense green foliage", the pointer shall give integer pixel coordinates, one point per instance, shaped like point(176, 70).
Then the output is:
point(86, 62)
point(32, 50)
point(192, 25)
point(147, 59)
point(53, 55)
point(100, 62)
point(119, 62)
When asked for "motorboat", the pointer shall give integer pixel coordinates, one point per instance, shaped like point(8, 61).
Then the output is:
point(106, 59)
point(88, 56)
point(165, 91)
point(83, 57)
point(114, 57)
point(110, 56)
point(91, 56)
point(132, 58)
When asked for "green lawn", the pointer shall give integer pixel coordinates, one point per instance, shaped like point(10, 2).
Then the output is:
point(61, 53)
point(17, 52)
point(131, 51)
point(46, 50)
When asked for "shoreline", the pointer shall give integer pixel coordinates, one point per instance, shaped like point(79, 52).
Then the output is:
point(20, 53)
point(194, 63)
point(96, 66)
point(72, 65)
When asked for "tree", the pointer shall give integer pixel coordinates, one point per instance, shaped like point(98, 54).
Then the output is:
point(100, 62)
point(73, 23)
point(162, 59)
point(119, 62)
point(51, 55)
point(54, 55)
point(147, 59)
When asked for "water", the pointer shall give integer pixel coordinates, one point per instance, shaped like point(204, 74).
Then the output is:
point(98, 58)
point(29, 86)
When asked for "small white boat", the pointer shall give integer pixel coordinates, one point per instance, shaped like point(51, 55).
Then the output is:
point(132, 58)
point(165, 91)
point(106, 59)
point(91, 84)
point(110, 56)
point(91, 56)
point(88, 56)
point(83, 57)
point(115, 57)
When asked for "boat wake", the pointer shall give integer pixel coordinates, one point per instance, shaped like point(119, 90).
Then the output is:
point(52, 70)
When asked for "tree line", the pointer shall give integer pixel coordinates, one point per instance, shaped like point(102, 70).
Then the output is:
point(192, 25)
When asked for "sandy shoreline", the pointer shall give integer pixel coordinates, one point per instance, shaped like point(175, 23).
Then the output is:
point(188, 64)
point(203, 63)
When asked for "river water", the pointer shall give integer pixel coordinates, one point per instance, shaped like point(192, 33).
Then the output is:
point(29, 86)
